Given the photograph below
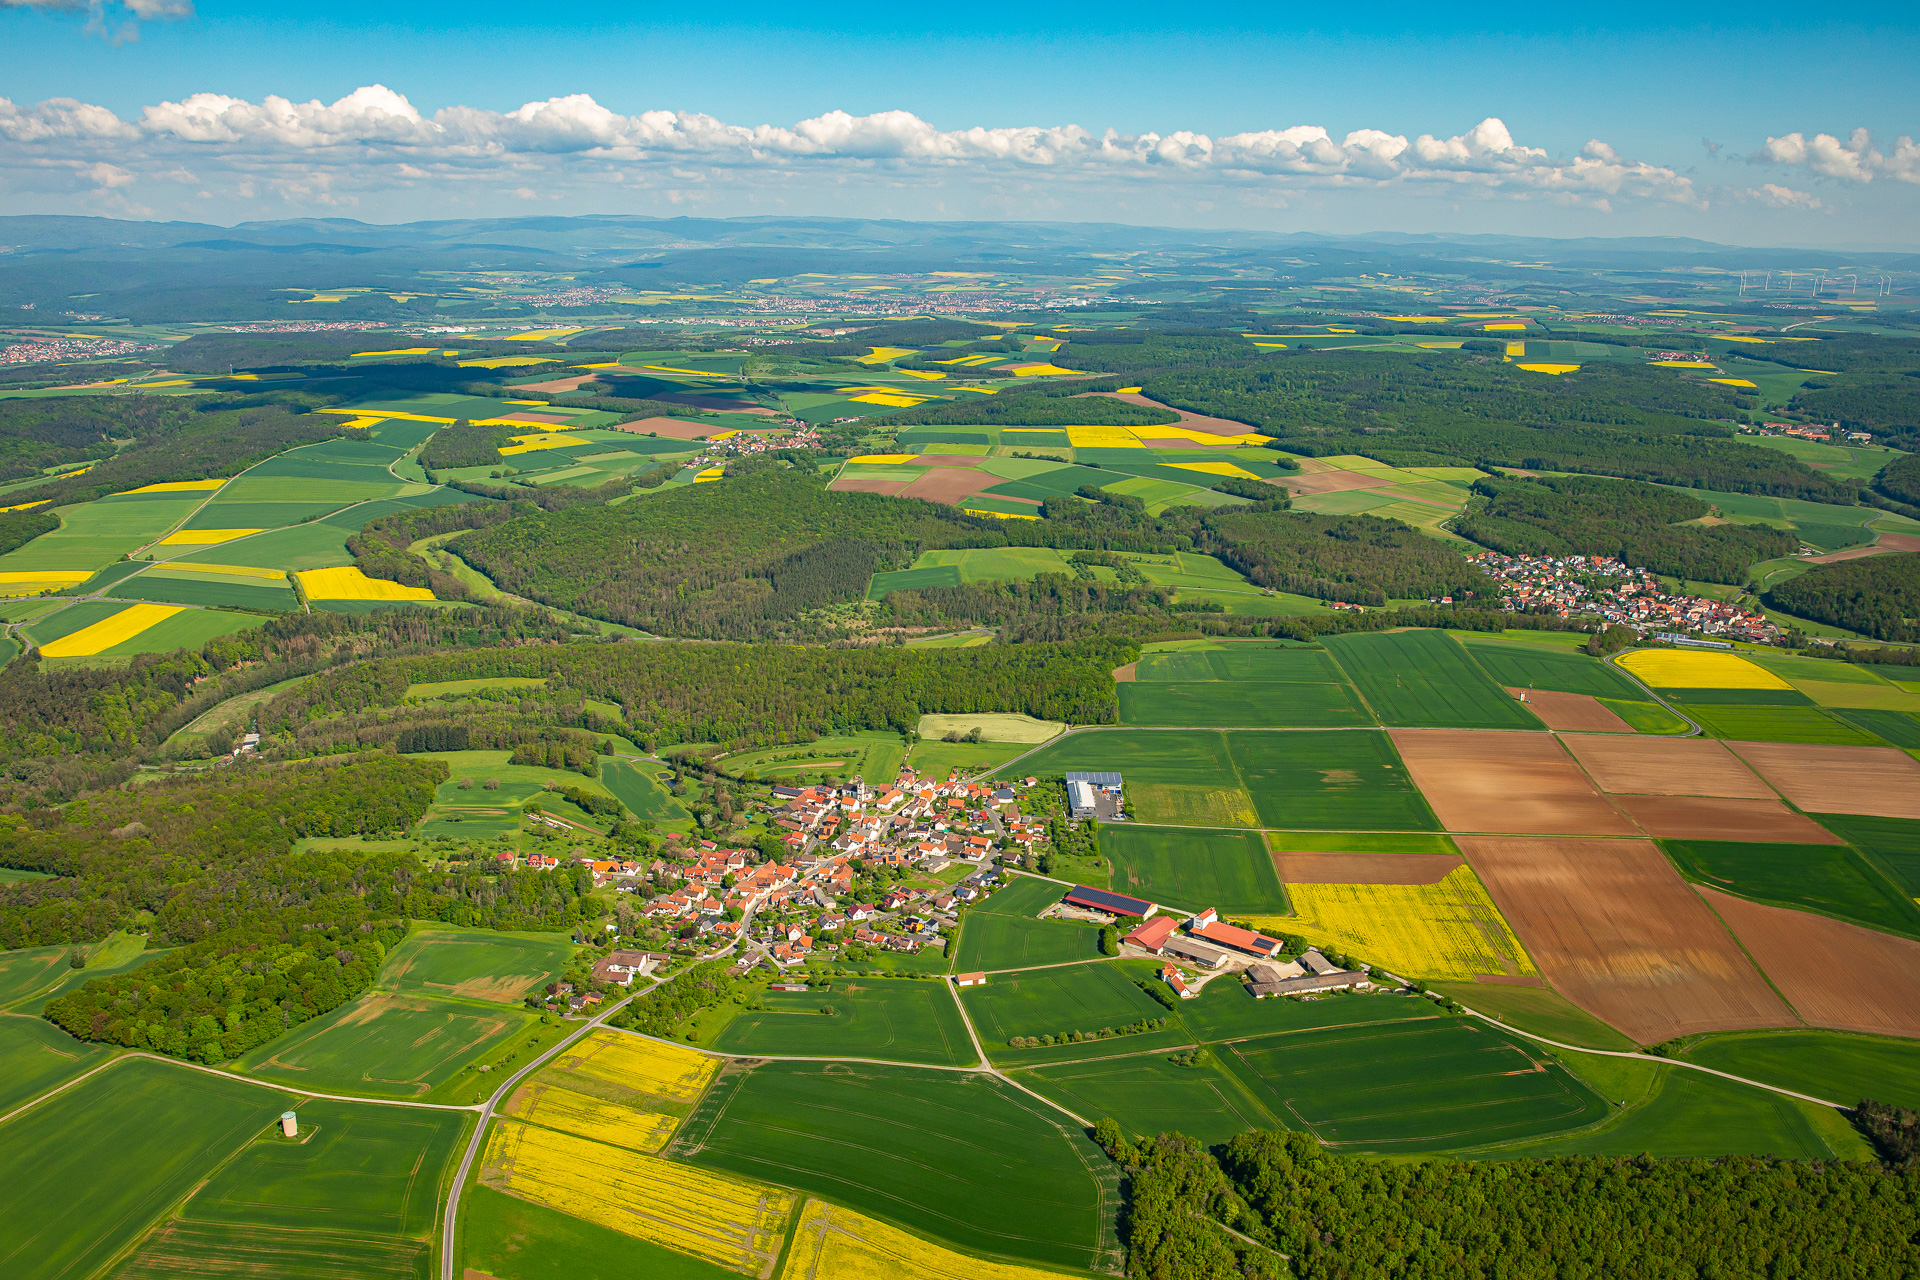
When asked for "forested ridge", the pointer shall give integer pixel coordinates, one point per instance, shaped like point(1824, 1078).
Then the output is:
point(1338, 1217)
point(1640, 524)
point(1877, 596)
point(1358, 559)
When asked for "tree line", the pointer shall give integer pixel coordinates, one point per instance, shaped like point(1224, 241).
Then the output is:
point(1877, 596)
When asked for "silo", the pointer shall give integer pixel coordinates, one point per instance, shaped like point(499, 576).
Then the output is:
point(290, 1123)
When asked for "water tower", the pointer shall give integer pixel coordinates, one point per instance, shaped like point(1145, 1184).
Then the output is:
point(290, 1123)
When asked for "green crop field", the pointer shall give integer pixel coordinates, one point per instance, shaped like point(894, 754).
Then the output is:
point(26, 973)
point(75, 617)
point(643, 795)
point(477, 964)
point(1002, 933)
point(304, 546)
point(358, 1193)
point(1330, 780)
point(518, 782)
point(1231, 704)
point(1748, 723)
point(1901, 728)
point(1151, 1094)
point(1059, 1001)
point(1645, 717)
point(1823, 1064)
point(117, 953)
point(1530, 666)
point(1892, 844)
point(35, 1056)
point(875, 757)
point(959, 1157)
point(231, 592)
point(1828, 878)
point(385, 1045)
point(1423, 679)
point(936, 759)
point(902, 1019)
point(101, 1161)
point(1674, 1113)
point(1537, 1010)
point(1197, 758)
point(512, 1239)
point(100, 532)
point(188, 629)
point(1410, 1085)
point(1360, 842)
point(1273, 662)
point(1228, 870)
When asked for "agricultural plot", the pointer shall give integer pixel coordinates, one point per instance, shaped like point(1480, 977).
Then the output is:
point(1059, 1001)
point(992, 727)
point(899, 1019)
point(1615, 929)
point(1196, 869)
point(118, 630)
point(96, 534)
point(28, 972)
point(1172, 777)
point(1151, 1094)
point(1875, 781)
point(632, 1070)
point(1447, 929)
point(1506, 782)
point(1825, 1064)
point(1516, 664)
point(1776, 724)
point(723, 1220)
point(1667, 767)
point(385, 1045)
point(937, 759)
point(1424, 679)
point(1004, 932)
point(960, 1157)
point(875, 757)
point(101, 1161)
point(514, 784)
point(1891, 844)
point(832, 1243)
point(512, 1239)
point(1239, 704)
point(35, 1056)
point(1538, 1010)
point(642, 793)
point(619, 1124)
point(1829, 878)
point(221, 586)
point(1412, 1085)
point(474, 964)
point(1816, 963)
point(1707, 818)
point(1328, 780)
point(1694, 669)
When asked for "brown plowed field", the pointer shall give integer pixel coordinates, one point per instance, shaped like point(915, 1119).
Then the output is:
point(1888, 543)
point(948, 460)
point(556, 386)
point(1667, 767)
point(670, 428)
point(1504, 781)
point(1572, 712)
point(950, 484)
point(1836, 974)
point(1827, 779)
point(1615, 930)
point(545, 419)
point(1332, 482)
point(1714, 818)
point(867, 484)
point(1129, 674)
point(1364, 868)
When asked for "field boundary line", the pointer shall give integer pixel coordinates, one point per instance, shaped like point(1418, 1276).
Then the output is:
point(795, 1057)
point(1693, 724)
point(1671, 1062)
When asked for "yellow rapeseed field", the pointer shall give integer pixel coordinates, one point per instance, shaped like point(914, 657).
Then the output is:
point(507, 362)
point(348, 583)
point(839, 1244)
point(891, 399)
point(399, 351)
point(540, 440)
point(1515, 350)
point(27, 506)
point(32, 583)
point(710, 475)
point(928, 374)
point(1040, 370)
point(633, 1062)
point(175, 486)
point(389, 413)
point(584, 1116)
point(1682, 364)
point(997, 515)
point(880, 355)
point(1446, 930)
point(883, 459)
point(205, 537)
point(228, 570)
point(538, 335)
point(1548, 368)
point(685, 373)
point(1733, 382)
point(1215, 469)
point(727, 1221)
point(1103, 438)
point(108, 632)
point(1692, 669)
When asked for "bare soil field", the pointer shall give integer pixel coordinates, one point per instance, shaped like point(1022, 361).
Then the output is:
point(1667, 767)
point(1889, 543)
point(1364, 868)
point(1836, 974)
point(1506, 781)
point(1332, 482)
point(1572, 712)
point(948, 460)
point(1129, 674)
point(670, 428)
point(557, 386)
point(1830, 779)
point(866, 484)
point(538, 419)
point(1714, 818)
point(950, 484)
point(1616, 930)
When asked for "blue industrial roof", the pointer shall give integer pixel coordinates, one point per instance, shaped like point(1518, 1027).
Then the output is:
point(1117, 903)
point(1096, 779)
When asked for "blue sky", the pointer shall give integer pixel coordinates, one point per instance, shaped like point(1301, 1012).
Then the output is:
point(1651, 82)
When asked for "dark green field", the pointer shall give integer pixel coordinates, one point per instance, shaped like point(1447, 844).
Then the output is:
point(1828, 878)
point(101, 1161)
point(35, 1056)
point(1891, 843)
point(1273, 662)
point(1411, 1085)
point(1538, 1010)
point(1746, 723)
point(644, 797)
point(1423, 679)
point(1901, 728)
point(902, 1019)
point(1195, 869)
point(512, 1239)
point(1002, 933)
point(1152, 1094)
point(1192, 758)
point(1823, 1064)
point(1224, 1011)
point(1329, 780)
point(1239, 704)
point(1532, 666)
point(35, 969)
point(960, 1157)
point(1060, 1001)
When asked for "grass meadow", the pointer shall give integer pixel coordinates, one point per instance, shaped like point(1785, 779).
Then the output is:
point(963, 1158)
point(475, 964)
point(1239, 704)
point(386, 1045)
point(638, 788)
point(1229, 870)
point(902, 1019)
point(1824, 1064)
point(1532, 666)
point(1003, 933)
point(1538, 1010)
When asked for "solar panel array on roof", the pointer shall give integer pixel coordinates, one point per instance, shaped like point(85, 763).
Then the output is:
point(1101, 900)
point(1106, 781)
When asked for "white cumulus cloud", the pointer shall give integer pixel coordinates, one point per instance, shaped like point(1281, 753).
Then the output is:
point(1855, 160)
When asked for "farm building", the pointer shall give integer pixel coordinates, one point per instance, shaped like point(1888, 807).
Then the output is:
point(622, 966)
point(1094, 795)
point(1173, 978)
point(970, 980)
point(1114, 904)
point(1337, 981)
point(1152, 935)
point(1269, 973)
point(1257, 945)
point(1198, 952)
point(1320, 965)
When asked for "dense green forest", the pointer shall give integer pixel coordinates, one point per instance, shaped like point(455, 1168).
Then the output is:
point(1358, 559)
point(1338, 1217)
point(1060, 406)
point(1133, 352)
point(264, 938)
point(739, 695)
point(1886, 405)
point(465, 444)
point(1877, 596)
point(37, 434)
point(18, 528)
point(1900, 479)
point(1625, 519)
point(73, 728)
